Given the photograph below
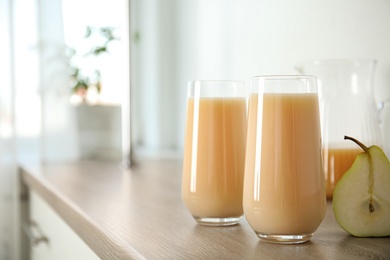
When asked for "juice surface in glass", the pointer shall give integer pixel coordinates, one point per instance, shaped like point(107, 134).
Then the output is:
point(284, 185)
point(214, 157)
point(336, 162)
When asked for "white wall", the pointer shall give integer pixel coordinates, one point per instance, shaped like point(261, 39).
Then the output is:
point(238, 39)
point(154, 73)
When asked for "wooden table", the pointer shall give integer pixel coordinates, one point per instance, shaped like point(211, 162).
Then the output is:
point(138, 213)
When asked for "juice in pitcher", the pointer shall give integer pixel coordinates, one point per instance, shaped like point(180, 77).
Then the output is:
point(336, 162)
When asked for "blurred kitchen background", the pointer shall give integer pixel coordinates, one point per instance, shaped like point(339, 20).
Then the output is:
point(156, 47)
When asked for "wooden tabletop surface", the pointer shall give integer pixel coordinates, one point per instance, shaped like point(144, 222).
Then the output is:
point(138, 213)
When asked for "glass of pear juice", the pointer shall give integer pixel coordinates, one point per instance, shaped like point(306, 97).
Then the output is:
point(284, 186)
point(214, 151)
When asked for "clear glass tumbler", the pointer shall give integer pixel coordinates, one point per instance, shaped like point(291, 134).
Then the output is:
point(214, 151)
point(284, 189)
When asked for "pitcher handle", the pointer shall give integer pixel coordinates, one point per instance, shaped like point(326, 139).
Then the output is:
point(384, 108)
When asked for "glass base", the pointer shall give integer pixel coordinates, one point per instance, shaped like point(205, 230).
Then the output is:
point(284, 239)
point(207, 221)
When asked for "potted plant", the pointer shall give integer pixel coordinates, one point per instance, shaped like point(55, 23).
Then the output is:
point(99, 124)
point(83, 81)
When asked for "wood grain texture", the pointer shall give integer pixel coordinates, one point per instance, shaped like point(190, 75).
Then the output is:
point(139, 213)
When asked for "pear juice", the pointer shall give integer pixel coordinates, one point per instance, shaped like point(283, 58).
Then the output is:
point(214, 157)
point(284, 183)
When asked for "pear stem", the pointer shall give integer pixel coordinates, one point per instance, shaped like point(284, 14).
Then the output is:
point(371, 207)
point(357, 142)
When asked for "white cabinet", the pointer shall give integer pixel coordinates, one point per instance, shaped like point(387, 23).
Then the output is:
point(62, 242)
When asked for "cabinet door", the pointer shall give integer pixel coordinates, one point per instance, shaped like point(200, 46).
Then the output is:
point(62, 242)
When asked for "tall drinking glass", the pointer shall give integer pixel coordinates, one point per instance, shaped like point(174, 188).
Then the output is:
point(214, 152)
point(284, 189)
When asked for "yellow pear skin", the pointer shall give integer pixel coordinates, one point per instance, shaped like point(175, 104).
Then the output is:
point(361, 199)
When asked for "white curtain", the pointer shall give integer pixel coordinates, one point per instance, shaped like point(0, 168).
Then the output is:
point(8, 168)
point(7, 144)
point(58, 122)
point(36, 120)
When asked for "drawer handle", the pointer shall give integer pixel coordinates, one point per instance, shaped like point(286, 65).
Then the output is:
point(34, 233)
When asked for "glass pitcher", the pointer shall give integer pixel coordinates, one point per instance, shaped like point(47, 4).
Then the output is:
point(347, 107)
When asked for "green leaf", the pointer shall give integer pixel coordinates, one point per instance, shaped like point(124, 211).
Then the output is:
point(99, 50)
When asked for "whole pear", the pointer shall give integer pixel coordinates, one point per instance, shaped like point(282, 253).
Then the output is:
point(361, 199)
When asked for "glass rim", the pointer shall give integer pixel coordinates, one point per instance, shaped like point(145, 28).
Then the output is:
point(284, 77)
point(217, 88)
point(284, 84)
point(217, 81)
